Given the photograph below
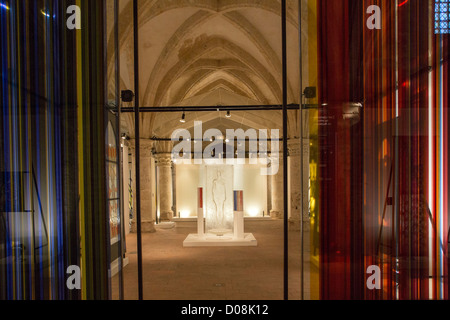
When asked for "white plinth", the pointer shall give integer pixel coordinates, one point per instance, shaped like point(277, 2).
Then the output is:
point(200, 222)
point(220, 232)
point(227, 240)
point(239, 225)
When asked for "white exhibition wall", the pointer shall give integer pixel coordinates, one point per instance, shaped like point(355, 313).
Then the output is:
point(187, 183)
point(246, 177)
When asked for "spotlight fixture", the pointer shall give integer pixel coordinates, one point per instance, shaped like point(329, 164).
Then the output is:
point(125, 136)
point(45, 13)
point(183, 118)
point(310, 92)
point(228, 114)
point(127, 96)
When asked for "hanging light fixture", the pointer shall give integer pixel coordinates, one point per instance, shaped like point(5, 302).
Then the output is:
point(183, 118)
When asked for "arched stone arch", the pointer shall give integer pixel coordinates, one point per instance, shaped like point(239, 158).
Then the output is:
point(192, 22)
point(193, 86)
point(261, 43)
point(196, 21)
point(202, 48)
point(248, 86)
point(222, 83)
point(150, 9)
point(244, 76)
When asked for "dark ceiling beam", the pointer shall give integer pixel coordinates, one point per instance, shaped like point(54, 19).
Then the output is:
point(215, 108)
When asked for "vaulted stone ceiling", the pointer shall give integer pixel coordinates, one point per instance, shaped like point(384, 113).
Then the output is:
point(209, 52)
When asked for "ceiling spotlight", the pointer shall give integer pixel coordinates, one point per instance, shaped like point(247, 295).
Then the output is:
point(45, 13)
point(127, 96)
point(228, 114)
point(183, 118)
point(310, 92)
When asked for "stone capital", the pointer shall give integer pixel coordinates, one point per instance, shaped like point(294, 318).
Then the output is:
point(277, 154)
point(126, 143)
point(294, 147)
point(163, 159)
point(145, 147)
point(163, 146)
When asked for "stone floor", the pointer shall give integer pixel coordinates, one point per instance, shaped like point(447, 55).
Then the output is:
point(172, 272)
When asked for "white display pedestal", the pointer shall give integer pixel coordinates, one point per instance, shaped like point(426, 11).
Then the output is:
point(231, 239)
point(200, 223)
point(227, 240)
point(239, 225)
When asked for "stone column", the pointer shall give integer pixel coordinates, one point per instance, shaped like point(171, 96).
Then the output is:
point(277, 188)
point(297, 199)
point(164, 164)
point(147, 220)
point(306, 169)
point(306, 175)
point(295, 183)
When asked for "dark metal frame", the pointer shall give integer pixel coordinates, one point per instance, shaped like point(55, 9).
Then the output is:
point(214, 108)
point(301, 147)
point(119, 153)
point(285, 152)
point(137, 145)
